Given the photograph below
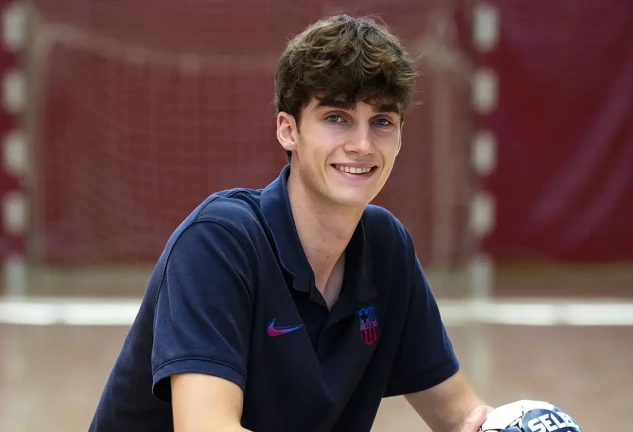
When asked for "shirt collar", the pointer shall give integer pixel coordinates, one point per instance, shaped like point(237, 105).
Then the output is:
point(276, 208)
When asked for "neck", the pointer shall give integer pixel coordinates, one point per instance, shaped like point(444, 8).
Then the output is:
point(324, 230)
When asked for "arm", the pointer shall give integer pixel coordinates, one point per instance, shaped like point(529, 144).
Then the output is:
point(426, 369)
point(205, 403)
point(451, 406)
point(202, 327)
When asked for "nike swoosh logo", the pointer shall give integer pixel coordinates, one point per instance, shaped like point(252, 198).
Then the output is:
point(278, 331)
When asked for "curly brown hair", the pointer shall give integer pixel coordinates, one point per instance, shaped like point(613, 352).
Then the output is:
point(345, 59)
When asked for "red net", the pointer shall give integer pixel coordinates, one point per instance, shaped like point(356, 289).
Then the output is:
point(139, 111)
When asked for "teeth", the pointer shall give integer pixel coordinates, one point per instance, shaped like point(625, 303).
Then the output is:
point(352, 170)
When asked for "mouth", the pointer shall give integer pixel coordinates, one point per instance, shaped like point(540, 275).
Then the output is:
point(355, 171)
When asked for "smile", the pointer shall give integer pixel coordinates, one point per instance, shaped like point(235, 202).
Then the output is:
point(354, 170)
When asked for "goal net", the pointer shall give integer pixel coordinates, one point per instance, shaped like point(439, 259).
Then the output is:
point(137, 111)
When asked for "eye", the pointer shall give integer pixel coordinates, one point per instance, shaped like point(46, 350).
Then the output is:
point(334, 118)
point(383, 122)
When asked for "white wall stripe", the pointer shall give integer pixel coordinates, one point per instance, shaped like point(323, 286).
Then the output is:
point(482, 214)
point(484, 100)
point(532, 312)
point(14, 26)
point(14, 91)
point(485, 91)
point(14, 153)
point(485, 26)
point(484, 152)
point(14, 160)
point(14, 213)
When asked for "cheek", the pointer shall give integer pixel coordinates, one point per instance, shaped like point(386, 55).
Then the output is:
point(389, 147)
point(324, 141)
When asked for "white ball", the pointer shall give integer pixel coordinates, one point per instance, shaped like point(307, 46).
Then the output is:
point(529, 416)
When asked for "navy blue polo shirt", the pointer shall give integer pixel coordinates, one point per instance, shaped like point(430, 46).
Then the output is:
point(233, 295)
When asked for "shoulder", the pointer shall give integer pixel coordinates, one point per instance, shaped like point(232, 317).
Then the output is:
point(224, 220)
point(383, 229)
point(235, 208)
point(221, 238)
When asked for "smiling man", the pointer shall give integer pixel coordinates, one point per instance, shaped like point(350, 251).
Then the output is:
point(300, 306)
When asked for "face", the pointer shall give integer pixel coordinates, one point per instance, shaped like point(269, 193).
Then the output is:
point(341, 154)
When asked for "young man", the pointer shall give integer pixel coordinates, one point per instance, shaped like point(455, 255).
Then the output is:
point(299, 306)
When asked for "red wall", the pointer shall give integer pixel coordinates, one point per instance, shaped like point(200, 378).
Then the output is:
point(124, 143)
point(564, 182)
point(127, 149)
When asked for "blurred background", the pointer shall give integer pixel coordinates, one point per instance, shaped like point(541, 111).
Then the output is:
point(515, 180)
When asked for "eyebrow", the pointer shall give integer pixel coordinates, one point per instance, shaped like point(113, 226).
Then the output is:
point(346, 105)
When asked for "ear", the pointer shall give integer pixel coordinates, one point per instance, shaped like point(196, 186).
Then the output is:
point(286, 128)
point(399, 139)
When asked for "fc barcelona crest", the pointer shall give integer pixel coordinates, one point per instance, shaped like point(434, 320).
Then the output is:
point(368, 325)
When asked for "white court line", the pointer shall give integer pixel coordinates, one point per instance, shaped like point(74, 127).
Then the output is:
point(532, 312)
point(68, 312)
point(539, 312)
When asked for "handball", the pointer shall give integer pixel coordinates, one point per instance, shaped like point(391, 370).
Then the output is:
point(529, 416)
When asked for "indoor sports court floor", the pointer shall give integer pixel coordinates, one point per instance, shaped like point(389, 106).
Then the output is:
point(51, 375)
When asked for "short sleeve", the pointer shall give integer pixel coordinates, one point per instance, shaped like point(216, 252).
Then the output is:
point(203, 311)
point(425, 356)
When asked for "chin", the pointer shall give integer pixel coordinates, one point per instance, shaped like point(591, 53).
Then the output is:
point(351, 200)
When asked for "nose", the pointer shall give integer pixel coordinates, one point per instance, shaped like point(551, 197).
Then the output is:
point(361, 142)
